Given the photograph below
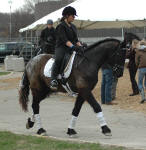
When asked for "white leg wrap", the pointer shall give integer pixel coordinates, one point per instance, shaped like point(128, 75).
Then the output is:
point(32, 118)
point(101, 119)
point(38, 121)
point(72, 122)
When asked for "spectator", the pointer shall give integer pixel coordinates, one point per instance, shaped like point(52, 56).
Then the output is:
point(106, 85)
point(48, 38)
point(140, 60)
point(145, 82)
point(132, 67)
point(114, 86)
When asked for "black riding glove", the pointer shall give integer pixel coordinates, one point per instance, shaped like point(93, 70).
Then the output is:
point(74, 48)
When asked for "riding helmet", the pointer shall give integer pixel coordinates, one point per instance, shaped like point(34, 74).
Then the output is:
point(50, 22)
point(69, 11)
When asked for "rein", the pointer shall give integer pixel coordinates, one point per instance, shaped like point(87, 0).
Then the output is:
point(83, 57)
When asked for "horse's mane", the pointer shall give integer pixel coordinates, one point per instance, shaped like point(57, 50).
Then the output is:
point(100, 42)
point(132, 35)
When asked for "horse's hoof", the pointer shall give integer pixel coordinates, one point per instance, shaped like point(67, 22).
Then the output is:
point(42, 132)
point(72, 133)
point(106, 130)
point(29, 124)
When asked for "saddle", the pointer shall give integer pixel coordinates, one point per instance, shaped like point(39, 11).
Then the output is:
point(65, 71)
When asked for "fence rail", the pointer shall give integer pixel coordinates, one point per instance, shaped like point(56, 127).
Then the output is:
point(87, 39)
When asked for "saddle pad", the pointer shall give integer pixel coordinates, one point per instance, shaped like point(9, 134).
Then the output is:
point(48, 67)
point(67, 70)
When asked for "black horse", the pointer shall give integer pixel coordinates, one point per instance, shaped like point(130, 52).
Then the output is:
point(129, 37)
point(82, 80)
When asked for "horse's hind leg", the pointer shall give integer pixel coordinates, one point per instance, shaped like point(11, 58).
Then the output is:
point(36, 116)
point(76, 110)
point(97, 109)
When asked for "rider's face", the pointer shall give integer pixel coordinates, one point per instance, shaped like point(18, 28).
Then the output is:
point(70, 18)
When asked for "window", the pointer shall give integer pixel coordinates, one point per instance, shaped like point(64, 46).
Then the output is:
point(11, 47)
point(2, 47)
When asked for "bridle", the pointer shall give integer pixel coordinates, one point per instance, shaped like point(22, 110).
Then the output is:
point(116, 68)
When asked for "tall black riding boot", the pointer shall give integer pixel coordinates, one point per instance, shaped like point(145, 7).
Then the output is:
point(54, 74)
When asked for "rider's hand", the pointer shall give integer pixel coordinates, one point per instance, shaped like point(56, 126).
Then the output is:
point(75, 48)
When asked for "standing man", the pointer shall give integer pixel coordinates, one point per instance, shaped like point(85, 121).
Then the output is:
point(48, 38)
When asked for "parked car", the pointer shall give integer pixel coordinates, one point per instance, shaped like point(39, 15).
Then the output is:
point(24, 49)
point(27, 51)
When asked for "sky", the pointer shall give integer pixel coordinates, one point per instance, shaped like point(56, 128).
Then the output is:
point(5, 6)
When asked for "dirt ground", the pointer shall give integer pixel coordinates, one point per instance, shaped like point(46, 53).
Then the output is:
point(123, 99)
point(122, 96)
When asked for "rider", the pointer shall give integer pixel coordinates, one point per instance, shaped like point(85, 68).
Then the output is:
point(48, 38)
point(66, 41)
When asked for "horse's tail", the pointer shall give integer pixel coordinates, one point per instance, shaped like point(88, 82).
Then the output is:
point(24, 92)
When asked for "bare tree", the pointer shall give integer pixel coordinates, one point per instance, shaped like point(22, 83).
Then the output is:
point(4, 25)
point(20, 19)
point(30, 4)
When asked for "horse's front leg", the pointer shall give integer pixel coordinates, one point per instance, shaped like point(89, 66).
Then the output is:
point(76, 110)
point(36, 118)
point(99, 114)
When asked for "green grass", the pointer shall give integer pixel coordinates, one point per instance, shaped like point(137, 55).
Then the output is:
point(10, 141)
point(4, 73)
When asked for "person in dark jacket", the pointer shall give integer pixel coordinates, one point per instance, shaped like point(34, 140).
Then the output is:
point(48, 38)
point(132, 69)
point(66, 42)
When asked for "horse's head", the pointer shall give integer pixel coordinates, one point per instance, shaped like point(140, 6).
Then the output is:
point(128, 38)
point(107, 51)
point(117, 60)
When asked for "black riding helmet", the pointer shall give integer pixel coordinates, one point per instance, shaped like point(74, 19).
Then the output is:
point(69, 11)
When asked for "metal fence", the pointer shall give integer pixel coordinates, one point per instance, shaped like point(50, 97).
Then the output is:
point(87, 36)
point(20, 39)
point(27, 50)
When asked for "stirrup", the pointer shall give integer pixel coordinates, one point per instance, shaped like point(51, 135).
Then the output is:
point(54, 85)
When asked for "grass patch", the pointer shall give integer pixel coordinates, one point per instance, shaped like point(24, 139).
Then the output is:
point(4, 73)
point(10, 141)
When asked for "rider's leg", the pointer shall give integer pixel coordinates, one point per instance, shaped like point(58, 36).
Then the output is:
point(59, 55)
